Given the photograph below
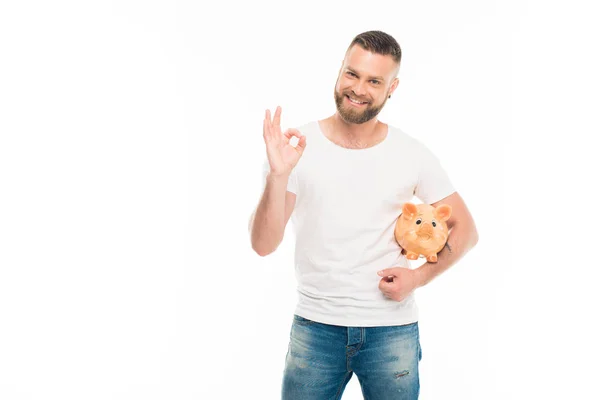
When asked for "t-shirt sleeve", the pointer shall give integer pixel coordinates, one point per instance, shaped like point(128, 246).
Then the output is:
point(292, 185)
point(433, 183)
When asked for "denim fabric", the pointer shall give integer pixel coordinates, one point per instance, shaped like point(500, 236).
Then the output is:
point(322, 358)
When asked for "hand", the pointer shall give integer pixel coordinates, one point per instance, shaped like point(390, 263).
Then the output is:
point(282, 156)
point(398, 283)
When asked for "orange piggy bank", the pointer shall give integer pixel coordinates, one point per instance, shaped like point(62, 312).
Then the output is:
point(422, 230)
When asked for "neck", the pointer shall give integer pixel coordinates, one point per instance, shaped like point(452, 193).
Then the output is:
point(353, 136)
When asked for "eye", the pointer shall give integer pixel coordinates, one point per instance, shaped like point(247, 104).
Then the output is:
point(350, 73)
point(375, 82)
point(418, 221)
point(433, 223)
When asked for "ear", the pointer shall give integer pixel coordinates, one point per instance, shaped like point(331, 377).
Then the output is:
point(394, 85)
point(409, 211)
point(443, 212)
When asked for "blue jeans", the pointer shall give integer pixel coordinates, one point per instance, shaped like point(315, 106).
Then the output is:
point(321, 359)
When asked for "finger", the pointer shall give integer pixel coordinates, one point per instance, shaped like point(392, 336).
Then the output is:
point(276, 125)
point(385, 286)
point(266, 130)
point(292, 132)
point(301, 143)
point(395, 297)
point(289, 133)
point(277, 118)
point(269, 125)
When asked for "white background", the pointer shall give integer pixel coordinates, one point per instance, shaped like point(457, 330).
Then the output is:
point(130, 157)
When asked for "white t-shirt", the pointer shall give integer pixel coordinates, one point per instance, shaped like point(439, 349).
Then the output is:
point(347, 204)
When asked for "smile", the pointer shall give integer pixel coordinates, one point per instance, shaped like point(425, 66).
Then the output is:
point(356, 103)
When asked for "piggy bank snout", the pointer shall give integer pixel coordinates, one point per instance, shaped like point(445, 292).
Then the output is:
point(426, 228)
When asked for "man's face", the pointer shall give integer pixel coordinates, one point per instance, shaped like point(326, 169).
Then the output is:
point(365, 81)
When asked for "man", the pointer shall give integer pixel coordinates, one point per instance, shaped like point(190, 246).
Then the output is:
point(345, 183)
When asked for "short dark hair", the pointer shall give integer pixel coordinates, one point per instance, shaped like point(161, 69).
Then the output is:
point(378, 42)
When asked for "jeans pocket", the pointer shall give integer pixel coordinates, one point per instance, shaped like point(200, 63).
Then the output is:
point(298, 320)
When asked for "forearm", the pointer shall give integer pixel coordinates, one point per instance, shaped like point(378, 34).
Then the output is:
point(461, 239)
point(268, 223)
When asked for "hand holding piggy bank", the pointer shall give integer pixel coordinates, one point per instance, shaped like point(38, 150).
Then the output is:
point(422, 230)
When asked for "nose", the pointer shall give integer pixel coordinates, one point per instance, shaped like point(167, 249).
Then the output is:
point(426, 228)
point(359, 89)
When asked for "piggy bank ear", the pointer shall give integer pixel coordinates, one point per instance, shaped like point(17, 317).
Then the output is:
point(443, 212)
point(409, 211)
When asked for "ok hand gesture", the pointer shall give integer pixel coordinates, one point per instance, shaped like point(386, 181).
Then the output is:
point(282, 156)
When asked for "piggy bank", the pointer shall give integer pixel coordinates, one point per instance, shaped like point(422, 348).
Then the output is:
point(421, 230)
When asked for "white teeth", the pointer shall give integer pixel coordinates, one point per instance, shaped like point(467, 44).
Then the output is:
point(356, 101)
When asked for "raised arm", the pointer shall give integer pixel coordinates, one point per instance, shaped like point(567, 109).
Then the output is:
point(267, 223)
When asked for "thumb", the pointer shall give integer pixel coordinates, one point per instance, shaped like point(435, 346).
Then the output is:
point(387, 272)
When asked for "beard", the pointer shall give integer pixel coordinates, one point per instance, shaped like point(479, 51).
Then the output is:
point(353, 116)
